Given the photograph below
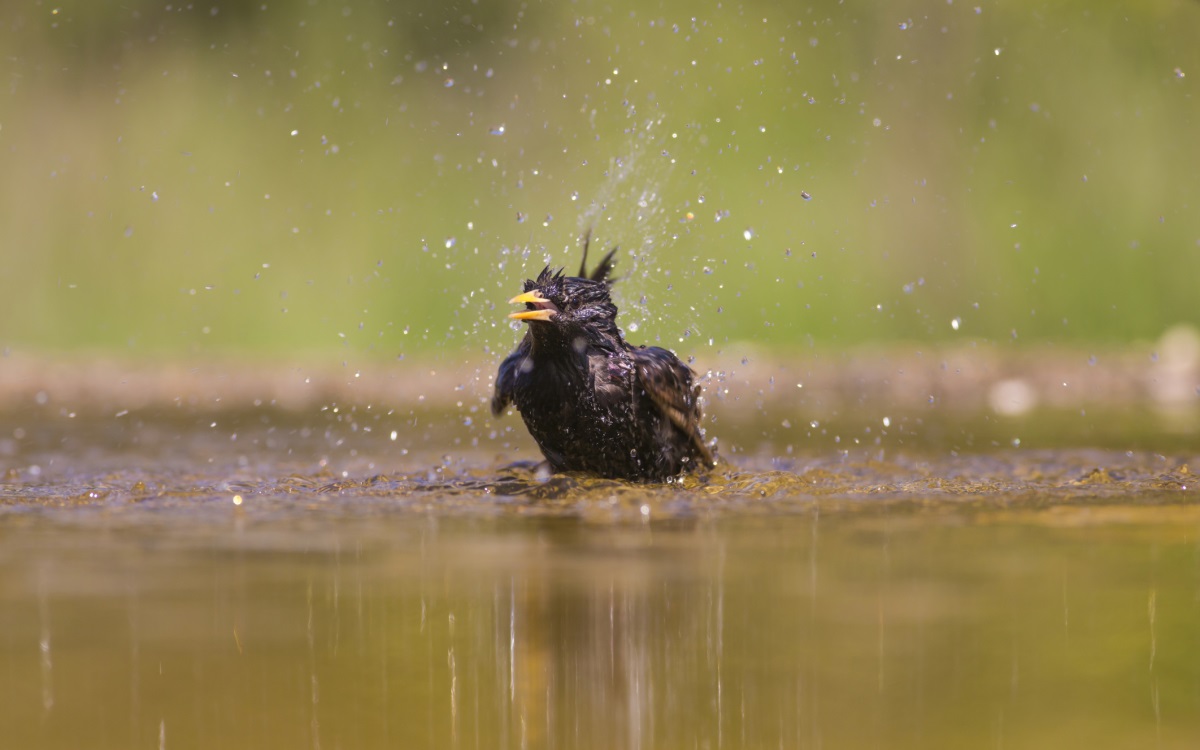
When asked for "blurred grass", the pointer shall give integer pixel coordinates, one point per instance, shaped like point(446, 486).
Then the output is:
point(330, 179)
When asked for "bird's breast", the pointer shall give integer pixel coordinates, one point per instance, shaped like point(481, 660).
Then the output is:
point(549, 382)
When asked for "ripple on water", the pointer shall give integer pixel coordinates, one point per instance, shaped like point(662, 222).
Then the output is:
point(1013, 479)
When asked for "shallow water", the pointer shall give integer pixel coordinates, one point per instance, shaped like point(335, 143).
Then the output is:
point(176, 578)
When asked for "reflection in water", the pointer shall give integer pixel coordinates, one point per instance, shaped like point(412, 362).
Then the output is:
point(894, 628)
point(44, 647)
point(843, 599)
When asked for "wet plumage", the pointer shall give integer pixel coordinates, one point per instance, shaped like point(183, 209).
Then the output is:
point(593, 402)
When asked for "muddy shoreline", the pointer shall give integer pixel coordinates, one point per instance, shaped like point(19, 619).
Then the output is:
point(973, 378)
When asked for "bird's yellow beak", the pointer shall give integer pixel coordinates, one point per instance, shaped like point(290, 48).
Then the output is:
point(545, 311)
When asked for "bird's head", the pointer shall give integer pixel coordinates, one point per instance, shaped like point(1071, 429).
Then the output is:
point(566, 304)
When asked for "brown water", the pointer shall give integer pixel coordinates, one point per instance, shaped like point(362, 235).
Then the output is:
point(259, 579)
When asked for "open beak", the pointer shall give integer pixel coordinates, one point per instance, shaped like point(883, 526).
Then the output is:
point(545, 309)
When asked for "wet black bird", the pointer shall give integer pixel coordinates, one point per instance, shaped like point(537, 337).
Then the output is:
point(593, 402)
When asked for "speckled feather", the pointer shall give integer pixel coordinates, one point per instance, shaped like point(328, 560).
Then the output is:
point(591, 401)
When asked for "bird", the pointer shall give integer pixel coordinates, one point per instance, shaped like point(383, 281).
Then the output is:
point(593, 402)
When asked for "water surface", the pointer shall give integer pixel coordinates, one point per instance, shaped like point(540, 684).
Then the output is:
point(305, 584)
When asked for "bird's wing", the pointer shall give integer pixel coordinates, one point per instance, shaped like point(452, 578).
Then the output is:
point(672, 387)
point(603, 271)
point(506, 378)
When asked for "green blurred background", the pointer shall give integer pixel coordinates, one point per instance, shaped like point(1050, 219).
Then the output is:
point(367, 179)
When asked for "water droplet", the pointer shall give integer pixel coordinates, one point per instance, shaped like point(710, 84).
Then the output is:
point(748, 234)
point(497, 130)
point(956, 323)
